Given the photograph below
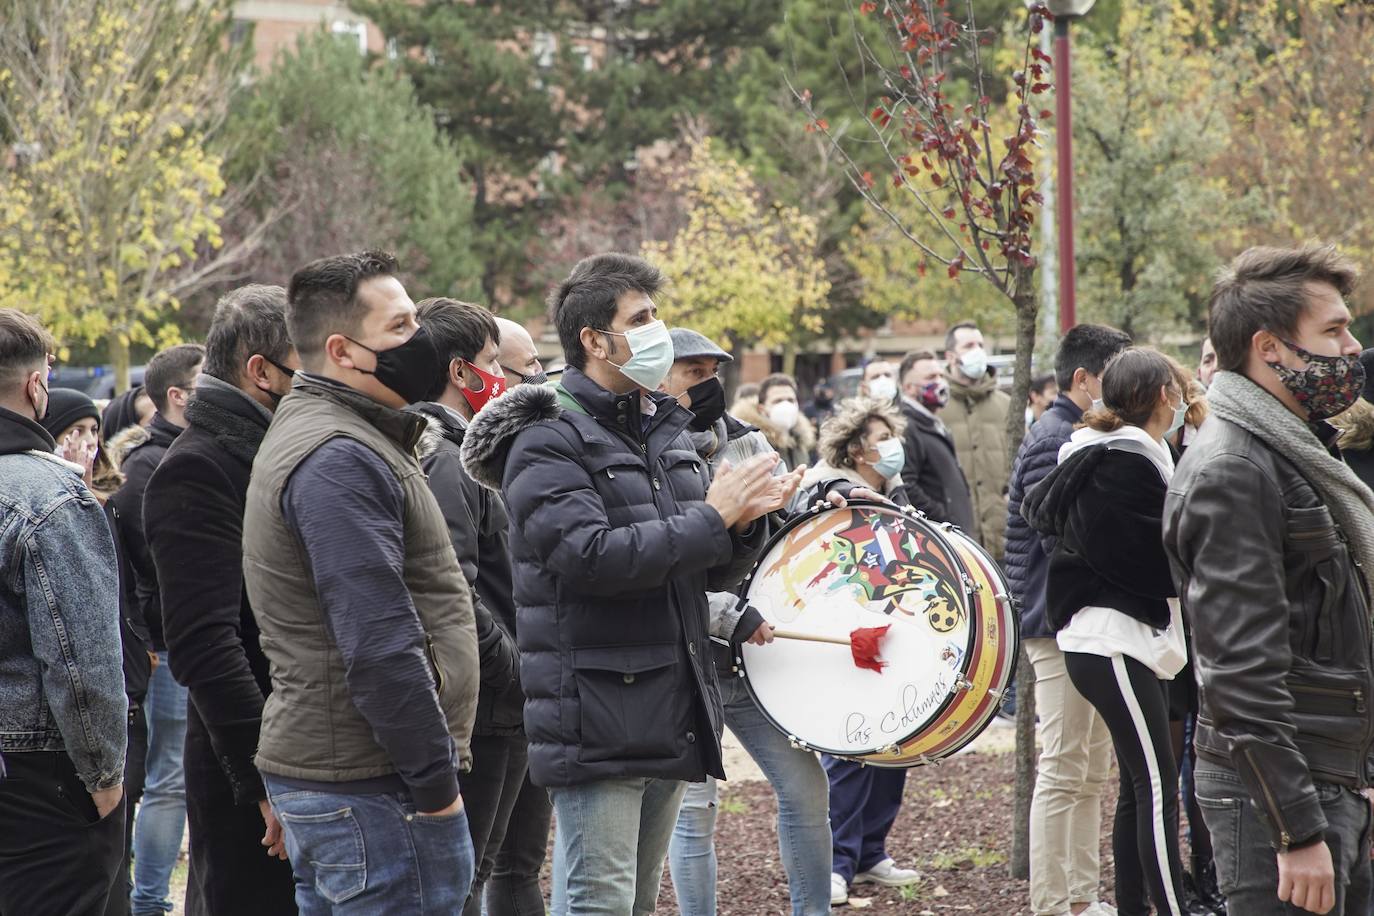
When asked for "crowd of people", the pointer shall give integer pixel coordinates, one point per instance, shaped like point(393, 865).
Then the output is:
point(366, 604)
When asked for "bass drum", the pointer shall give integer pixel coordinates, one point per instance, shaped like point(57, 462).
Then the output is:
point(950, 652)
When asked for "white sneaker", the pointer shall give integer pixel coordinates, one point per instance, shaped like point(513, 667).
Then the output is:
point(888, 874)
point(1098, 908)
point(839, 891)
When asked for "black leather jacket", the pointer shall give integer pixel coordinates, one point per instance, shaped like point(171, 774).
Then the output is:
point(1280, 626)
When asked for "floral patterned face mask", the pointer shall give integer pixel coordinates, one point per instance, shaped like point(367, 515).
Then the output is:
point(1327, 386)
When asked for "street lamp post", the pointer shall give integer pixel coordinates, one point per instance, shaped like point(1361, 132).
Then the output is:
point(1064, 12)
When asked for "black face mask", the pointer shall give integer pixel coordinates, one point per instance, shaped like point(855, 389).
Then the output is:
point(47, 406)
point(536, 379)
point(289, 373)
point(411, 369)
point(708, 404)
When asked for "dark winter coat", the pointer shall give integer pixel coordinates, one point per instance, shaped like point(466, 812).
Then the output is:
point(933, 479)
point(614, 552)
point(1104, 505)
point(477, 525)
point(1361, 461)
point(1027, 554)
point(193, 518)
point(138, 466)
point(133, 635)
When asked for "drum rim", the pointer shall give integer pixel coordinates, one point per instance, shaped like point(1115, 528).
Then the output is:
point(797, 521)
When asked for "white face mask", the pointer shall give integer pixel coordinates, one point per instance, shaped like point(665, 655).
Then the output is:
point(784, 414)
point(651, 354)
point(882, 388)
point(1180, 414)
point(974, 363)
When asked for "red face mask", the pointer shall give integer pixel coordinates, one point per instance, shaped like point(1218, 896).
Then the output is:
point(493, 386)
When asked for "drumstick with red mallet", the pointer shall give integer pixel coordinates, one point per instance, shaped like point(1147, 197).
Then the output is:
point(863, 644)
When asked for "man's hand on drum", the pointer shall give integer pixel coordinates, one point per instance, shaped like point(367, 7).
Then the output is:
point(745, 492)
point(762, 636)
point(839, 502)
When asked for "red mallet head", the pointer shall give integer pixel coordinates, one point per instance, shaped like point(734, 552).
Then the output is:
point(864, 644)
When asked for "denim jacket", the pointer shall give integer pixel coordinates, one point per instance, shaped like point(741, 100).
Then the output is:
point(61, 666)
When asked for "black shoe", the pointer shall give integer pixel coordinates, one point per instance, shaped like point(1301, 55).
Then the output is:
point(1191, 901)
point(1207, 888)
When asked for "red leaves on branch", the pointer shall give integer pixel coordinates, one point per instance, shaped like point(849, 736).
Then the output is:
point(983, 184)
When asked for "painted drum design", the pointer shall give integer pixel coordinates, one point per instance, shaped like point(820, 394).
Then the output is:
point(951, 650)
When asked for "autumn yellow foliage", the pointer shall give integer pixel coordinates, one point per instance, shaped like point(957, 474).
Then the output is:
point(110, 190)
point(743, 269)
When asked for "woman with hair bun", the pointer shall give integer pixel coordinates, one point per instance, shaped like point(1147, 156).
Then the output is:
point(1112, 602)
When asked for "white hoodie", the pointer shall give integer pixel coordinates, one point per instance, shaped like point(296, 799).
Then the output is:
point(1108, 632)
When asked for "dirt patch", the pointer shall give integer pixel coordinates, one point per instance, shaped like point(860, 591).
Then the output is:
point(954, 828)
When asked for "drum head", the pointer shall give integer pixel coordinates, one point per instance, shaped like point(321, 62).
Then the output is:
point(831, 571)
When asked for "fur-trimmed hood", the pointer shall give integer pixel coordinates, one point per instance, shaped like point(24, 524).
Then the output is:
point(440, 427)
point(801, 437)
point(432, 438)
point(118, 446)
point(487, 442)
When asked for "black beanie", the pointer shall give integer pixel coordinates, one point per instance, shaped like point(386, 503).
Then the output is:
point(120, 414)
point(65, 407)
point(1367, 360)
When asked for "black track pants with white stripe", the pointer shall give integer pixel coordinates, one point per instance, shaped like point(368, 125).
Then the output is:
point(1132, 702)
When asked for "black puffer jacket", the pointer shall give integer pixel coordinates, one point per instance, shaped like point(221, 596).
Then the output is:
point(477, 525)
point(1026, 563)
point(614, 552)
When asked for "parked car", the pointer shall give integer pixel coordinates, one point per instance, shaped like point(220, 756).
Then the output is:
point(96, 381)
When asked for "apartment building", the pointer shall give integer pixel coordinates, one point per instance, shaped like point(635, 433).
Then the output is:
point(276, 24)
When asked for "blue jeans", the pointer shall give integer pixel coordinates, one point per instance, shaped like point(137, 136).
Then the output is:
point(864, 802)
point(372, 854)
point(161, 818)
point(803, 794)
point(609, 845)
point(1247, 867)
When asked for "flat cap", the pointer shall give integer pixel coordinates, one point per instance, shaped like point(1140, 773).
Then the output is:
point(688, 344)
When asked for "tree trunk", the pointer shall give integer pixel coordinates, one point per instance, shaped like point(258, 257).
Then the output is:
point(119, 359)
point(789, 359)
point(1018, 863)
point(1027, 309)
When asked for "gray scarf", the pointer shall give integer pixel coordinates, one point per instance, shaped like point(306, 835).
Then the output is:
point(1240, 401)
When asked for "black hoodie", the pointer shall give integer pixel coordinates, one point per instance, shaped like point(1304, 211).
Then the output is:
point(19, 433)
point(1106, 507)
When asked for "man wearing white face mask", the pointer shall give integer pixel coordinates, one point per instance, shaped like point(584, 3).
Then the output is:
point(977, 419)
point(880, 381)
point(618, 530)
point(778, 415)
